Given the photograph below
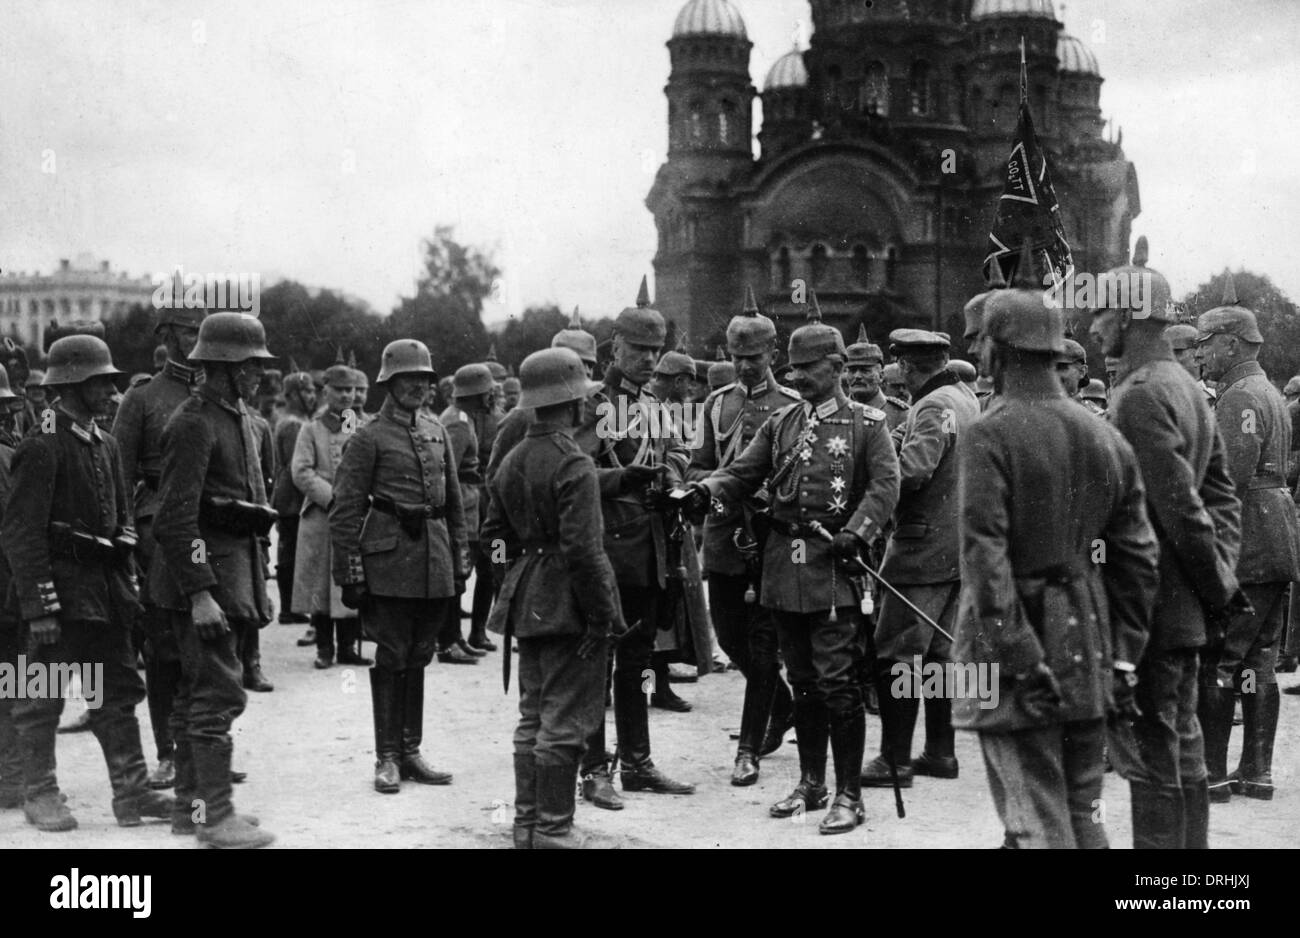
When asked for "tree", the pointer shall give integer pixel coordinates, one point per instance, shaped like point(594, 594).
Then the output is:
point(526, 334)
point(308, 329)
point(446, 312)
point(1279, 320)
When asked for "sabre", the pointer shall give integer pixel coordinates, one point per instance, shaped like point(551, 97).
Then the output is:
point(817, 528)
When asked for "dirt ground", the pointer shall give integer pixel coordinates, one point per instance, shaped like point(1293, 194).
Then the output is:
point(307, 750)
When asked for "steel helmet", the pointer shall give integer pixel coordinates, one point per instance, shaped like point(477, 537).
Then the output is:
point(230, 337)
point(470, 380)
point(405, 357)
point(5, 393)
point(553, 376)
point(75, 358)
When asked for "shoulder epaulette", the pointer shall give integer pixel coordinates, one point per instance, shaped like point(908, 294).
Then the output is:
point(139, 380)
point(899, 403)
point(725, 388)
point(868, 411)
point(789, 392)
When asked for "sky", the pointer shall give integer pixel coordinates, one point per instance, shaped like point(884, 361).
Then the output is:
point(322, 140)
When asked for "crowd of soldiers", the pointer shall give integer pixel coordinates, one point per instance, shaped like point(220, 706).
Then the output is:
point(1115, 558)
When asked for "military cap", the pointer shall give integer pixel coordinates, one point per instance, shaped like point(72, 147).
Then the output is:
point(1073, 353)
point(1181, 336)
point(640, 324)
point(1292, 386)
point(318, 379)
point(814, 340)
point(1144, 292)
point(1113, 362)
point(1019, 318)
point(470, 380)
point(576, 338)
point(864, 351)
point(172, 310)
point(511, 385)
point(360, 377)
point(1095, 391)
point(892, 374)
point(964, 370)
point(1229, 319)
point(298, 381)
point(34, 378)
point(675, 363)
point(340, 376)
point(750, 333)
point(902, 341)
point(721, 374)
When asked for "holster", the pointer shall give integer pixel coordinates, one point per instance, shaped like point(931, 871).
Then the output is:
point(410, 517)
point(236, 516)
point(84, 547)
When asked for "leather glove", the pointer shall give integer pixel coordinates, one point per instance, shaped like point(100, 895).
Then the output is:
point(209, 620)
point(594, 637)
point(354, 595)
point(698, 498)
point(847, 546)
point(1124, 689)
point(44, 631)
point(459, 584)
point(638, 477)
point(1038, 692)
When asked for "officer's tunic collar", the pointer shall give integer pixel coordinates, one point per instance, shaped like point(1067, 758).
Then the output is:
point(397, 415)
point(86, 434)
point(1239, 371)
point(177, 371)
point(1132, 361)
point(828, 407)
point(756, 390)
point(209, 393)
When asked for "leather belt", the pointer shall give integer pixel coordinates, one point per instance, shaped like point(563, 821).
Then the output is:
point(538, 548)
point(1058, 575)
point(802, 528)
point(1266, 482)
point(389, 507)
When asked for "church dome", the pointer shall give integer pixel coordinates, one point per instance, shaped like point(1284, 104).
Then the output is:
point(984, 8)
point(788, 72)
point(1076, 57)
point(709, 18)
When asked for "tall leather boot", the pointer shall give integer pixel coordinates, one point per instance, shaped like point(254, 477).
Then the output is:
point(323, 626)
point(43, 806)
point(251, 657)
point(481, 606)
point(848, 739)
point(782, 718)
point(387, 712)
point(1196, 816)
point(595, 768)
point(664, 697)
point(413, 766)
point(220, 826)
point(897, 725)
point(556, 790)
point(349, 633)
point(1214, 711)
point(1254, 775)
point(161, 680)
point(133, 800)
point(525, 799)
point(755, 715)
point(939, 757)
point(11, 760)
point(813, 734)
point(638, 771)
point(1158, 822)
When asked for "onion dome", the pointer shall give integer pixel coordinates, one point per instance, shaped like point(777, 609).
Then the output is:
point(709, 18)
point(788, 72)
point(1039, 8)
point(1076, 57)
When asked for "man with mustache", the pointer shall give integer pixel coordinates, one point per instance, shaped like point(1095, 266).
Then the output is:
point(864, 371)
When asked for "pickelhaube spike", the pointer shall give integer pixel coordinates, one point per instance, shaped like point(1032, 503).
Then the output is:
point(862, 332)
point(1024, 278)
point(293, 366)
point(352, 358)
point(996, 280)
point(814, 309)
point(681, 345)
point(338, 356)
point(721, 354)
point(1229, 289)
point(574, 321)
point(492, 353)
point(643, 295)
point(1141, 251)
point(751, 305)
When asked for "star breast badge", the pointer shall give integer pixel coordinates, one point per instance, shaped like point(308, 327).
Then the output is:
point(837, 484)
point(837, 446)
point(837, 505)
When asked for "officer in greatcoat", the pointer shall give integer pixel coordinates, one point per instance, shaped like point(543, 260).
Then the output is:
point(1044, 486)
point(397, 535)
point(827, 465)
point(68, 537)
point(138, 427)
point(1159, 408)
point(558, 596)
point(287, 498)
point(1256, 429)
point(208, 570)
point(921, 559)
point(733, 542)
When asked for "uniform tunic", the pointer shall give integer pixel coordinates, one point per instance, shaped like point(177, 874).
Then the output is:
point(138, 427)
point(316, 457)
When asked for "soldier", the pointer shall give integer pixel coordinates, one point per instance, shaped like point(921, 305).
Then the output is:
point(829, 465)
point(1072, 370)
point(733, 543)
point(964, 371)
point(893, 383)
point(68, 538)
point(1159, 409)
point(510, 390)
point(1257, 432)
point(721, 374)
point(1182, 337)
point(1112, 370)
point(863, 371)
point(313, 468)
point(973, 315)
point(1096, 395)
point(397, 532)
point(286, 498)
point(208, 570)
point(11, 761)
point(480, 408)
point(674, 379)
point(138, 428)
point(1042, 484)
point(633, 455)
point(921, 559)
point(470, 381)
point(249, 637)
point(36, 393)
point(558, 596)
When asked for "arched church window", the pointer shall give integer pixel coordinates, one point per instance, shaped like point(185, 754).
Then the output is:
point(874, 97)
point(861, 265)
point(697, 122)
point(818, 261)
point(922, 93)
point(727, 121)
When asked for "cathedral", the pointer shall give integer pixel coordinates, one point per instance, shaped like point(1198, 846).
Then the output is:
point(880, 160)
